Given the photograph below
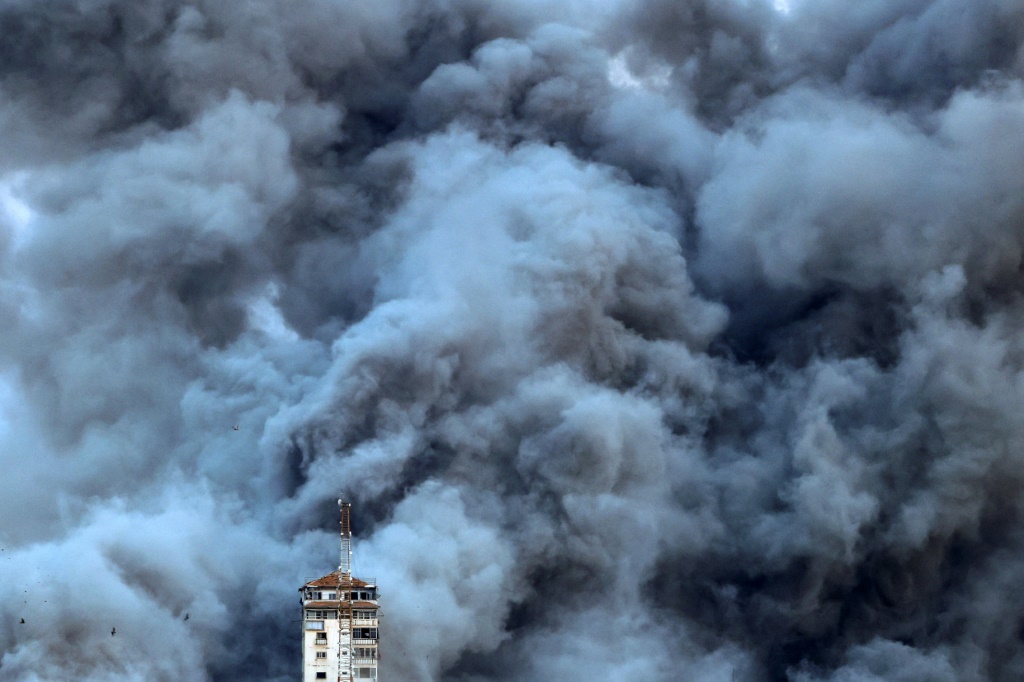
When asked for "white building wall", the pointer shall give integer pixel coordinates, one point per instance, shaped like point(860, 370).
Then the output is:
point(337, 649)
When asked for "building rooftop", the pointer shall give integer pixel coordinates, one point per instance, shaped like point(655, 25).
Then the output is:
point(337, 579)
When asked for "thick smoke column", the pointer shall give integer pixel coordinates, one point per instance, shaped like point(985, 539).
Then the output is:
point(662, 341)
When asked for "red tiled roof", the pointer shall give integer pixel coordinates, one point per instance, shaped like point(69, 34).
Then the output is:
point(335, 579)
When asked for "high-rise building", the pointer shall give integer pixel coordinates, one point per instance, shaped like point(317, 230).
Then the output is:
point(340, 618)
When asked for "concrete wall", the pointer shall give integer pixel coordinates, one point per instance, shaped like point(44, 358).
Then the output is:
point(337, 642)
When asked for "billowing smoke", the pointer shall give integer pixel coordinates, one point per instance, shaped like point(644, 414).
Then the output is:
point(674, 340)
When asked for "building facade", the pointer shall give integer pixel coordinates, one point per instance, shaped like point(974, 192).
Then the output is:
point(340, 621)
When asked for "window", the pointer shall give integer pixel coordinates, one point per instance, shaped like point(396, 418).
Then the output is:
point(312, 614)
point(321, 676)
point(365, 615)
point(364, 633)
point(366, 673)
point(364, 652)
point(321, 654)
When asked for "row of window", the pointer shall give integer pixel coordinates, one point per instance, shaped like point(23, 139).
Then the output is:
point(364, 673)
point(357, 633)
point(361, 633)
point(357, 595)
point(316, 594)
point(312, 614)
point(357, 652)
point(315, 614)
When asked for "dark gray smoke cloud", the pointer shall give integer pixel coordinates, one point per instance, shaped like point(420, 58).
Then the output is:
point(662, 341)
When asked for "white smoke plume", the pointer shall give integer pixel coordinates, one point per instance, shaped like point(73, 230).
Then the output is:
point(675, 340)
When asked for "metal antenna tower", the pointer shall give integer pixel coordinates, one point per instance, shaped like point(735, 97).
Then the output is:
point(345, 567)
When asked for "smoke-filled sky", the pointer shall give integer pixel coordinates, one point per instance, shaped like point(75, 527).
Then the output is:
point(664, 340)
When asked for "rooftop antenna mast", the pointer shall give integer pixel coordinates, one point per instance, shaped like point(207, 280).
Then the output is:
point(345, 567)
